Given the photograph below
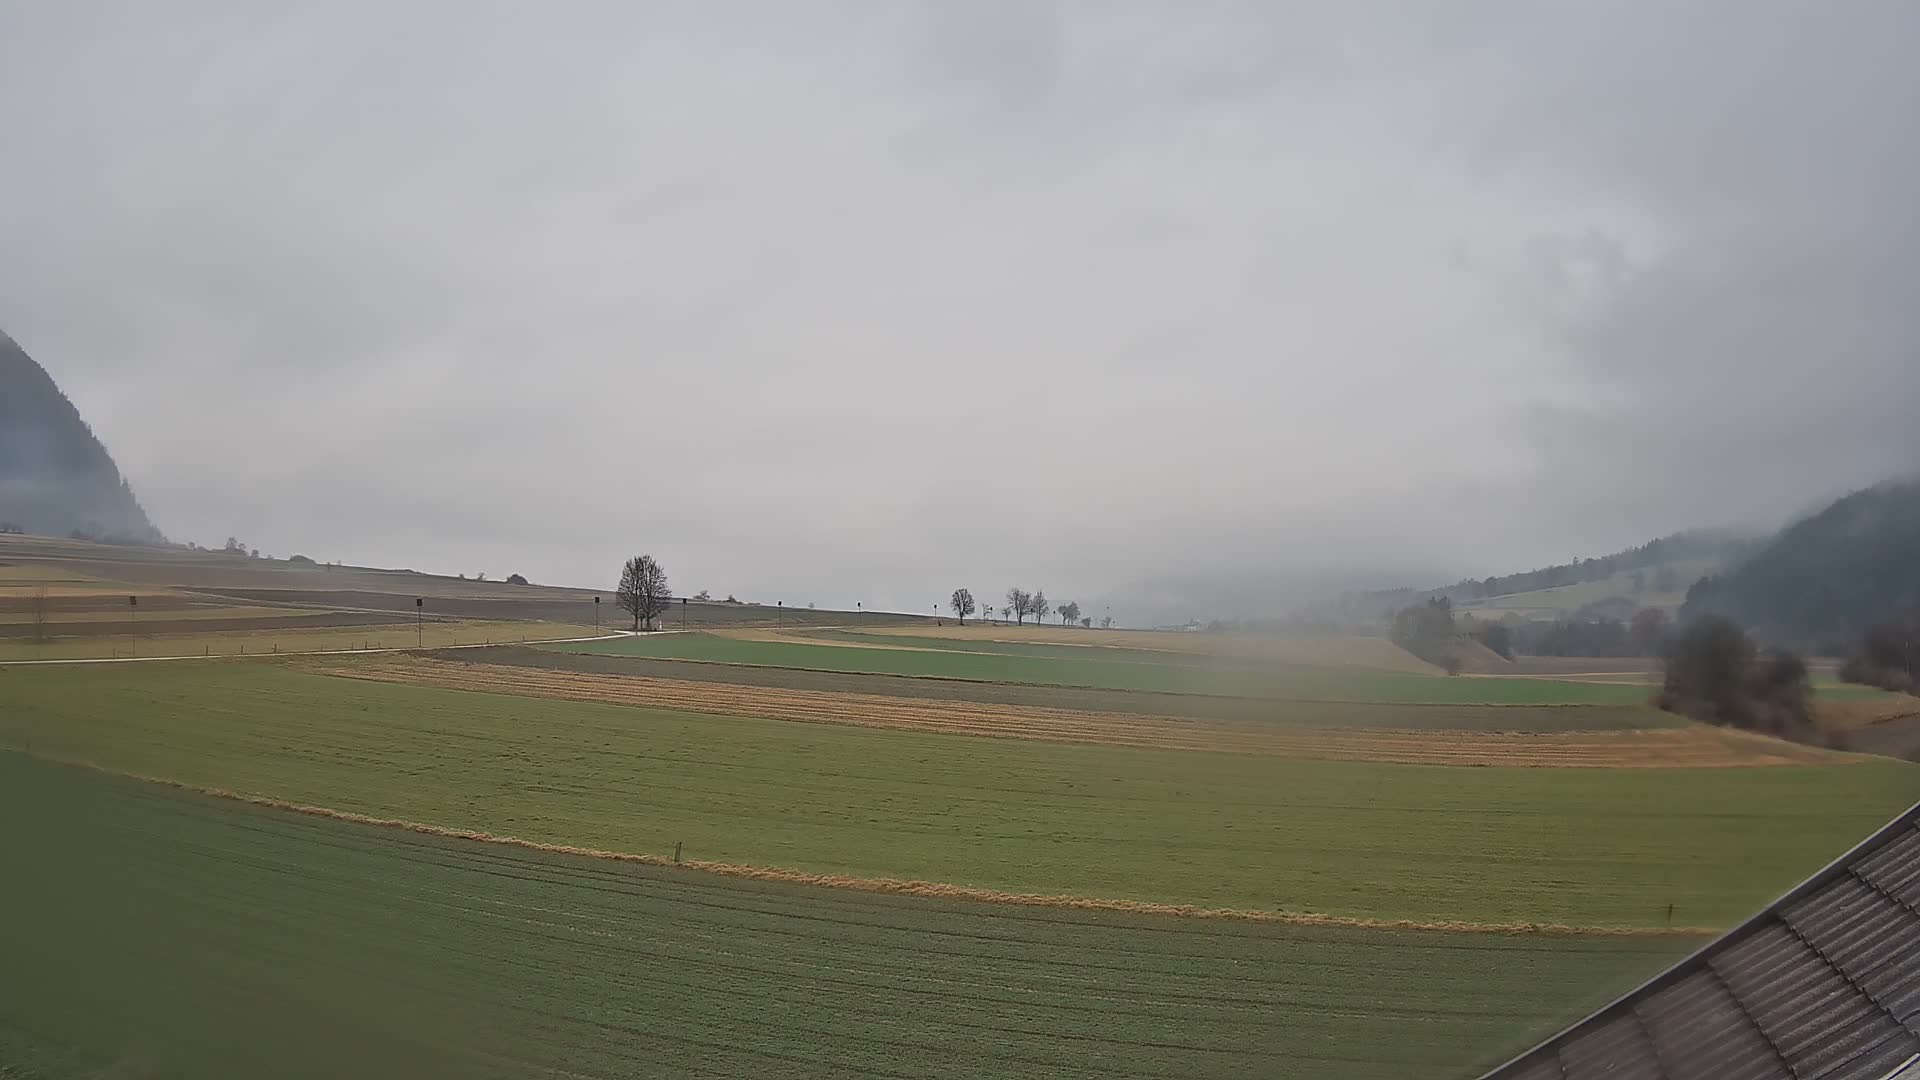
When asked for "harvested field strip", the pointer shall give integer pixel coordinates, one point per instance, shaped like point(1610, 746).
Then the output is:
point(219, 940)
point(834, 638)
point(112, 618)
point(384, 632)
point(1843, 713)
point(1691, 747)
point(1357, 652)
point(1581, 847)
point(212, 621)
point(1348, 715)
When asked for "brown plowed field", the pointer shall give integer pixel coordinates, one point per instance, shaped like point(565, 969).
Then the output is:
point(1689, 747)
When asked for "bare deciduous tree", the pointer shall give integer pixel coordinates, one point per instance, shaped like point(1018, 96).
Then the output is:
point(643, 590)
point(962, 604)
point(1021, 602)
point(1037, 606)
point(1069, 612)
point(1106, 622)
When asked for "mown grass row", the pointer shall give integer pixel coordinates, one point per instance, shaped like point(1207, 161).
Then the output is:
point(165, 934)
point(1484, 845)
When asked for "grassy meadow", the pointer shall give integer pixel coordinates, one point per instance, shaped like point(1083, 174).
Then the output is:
point(169, 933)
point(1586, 847)
point(172, 935)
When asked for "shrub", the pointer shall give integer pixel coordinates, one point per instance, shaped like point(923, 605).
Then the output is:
point(1886, 654)
point(1426, 630)
point(1498, 638)
point(1716, 675)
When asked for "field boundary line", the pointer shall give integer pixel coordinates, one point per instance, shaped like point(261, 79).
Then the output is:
point(931, 890)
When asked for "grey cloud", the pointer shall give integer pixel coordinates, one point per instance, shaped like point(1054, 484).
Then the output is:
point(869, 300)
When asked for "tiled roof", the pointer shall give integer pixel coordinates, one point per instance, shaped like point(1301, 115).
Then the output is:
point(1822, 985)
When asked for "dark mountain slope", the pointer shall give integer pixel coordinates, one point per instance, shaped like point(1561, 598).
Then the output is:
point(1824, 580)
point(55, 477)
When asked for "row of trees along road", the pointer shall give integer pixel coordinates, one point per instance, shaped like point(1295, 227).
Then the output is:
point(1020, 604)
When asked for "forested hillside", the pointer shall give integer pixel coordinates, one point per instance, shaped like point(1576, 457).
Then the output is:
point(1823, 581)
point(55, 476)
point(1654, 566)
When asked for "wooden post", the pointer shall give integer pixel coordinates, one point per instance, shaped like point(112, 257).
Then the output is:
point(676, 852)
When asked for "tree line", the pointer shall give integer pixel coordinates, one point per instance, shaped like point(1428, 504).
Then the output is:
point(644, 595)
point(1432, 632)
point(1020, 605)
point(1650, 562)
point(1830, 578)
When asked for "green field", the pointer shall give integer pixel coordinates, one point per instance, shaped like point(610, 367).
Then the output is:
point(1184, 675)
point(170, 935)
point(1578, 846)
point(1400, 716)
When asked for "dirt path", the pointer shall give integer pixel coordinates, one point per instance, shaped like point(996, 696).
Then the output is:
point(1686, 747)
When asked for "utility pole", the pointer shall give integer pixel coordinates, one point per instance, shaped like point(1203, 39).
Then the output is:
point(133, 622)
point(419, 622)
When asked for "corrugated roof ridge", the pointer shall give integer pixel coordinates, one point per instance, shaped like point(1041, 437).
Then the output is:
point(1653, 1044)
point(1702, 956)
point(1786, 1067)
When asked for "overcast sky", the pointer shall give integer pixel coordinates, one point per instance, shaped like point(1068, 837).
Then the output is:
point(840, 302)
